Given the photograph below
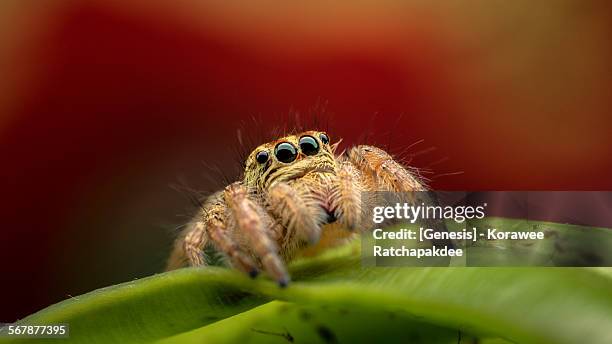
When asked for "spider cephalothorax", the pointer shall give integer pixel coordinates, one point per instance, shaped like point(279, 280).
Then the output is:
point(291, 188)
point(289, 158)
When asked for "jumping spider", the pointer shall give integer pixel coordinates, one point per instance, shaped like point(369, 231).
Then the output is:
point(290, 188)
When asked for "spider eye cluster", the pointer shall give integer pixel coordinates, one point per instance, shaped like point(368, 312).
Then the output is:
point(286, 152)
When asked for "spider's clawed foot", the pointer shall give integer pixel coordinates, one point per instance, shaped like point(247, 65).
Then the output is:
point(277, 270)
point(252, 221)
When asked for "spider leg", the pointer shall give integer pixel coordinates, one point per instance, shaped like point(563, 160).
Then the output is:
point(194, 242)
point(188, 246)
point(297, 211)
point(210, 226)
point(345, 195)
point(381, 171)
point(366, 168)
point(253, 222)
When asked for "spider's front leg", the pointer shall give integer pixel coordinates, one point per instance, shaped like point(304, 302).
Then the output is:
point(298, 211)
point(211, 226)
point(345, 195)
point(254, 223)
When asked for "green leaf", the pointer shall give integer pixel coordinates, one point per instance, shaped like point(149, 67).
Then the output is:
point(282, 322)
point(524, 305)
point(151, 308)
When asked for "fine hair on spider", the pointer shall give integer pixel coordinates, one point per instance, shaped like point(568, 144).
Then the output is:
point(291, 187)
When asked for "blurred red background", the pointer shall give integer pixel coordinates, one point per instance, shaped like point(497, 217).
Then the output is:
point(104, 105)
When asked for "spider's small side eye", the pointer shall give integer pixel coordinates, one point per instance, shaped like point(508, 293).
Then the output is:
point(309, 145)
point(285, 152)
point(324, 138)
point(262, 157)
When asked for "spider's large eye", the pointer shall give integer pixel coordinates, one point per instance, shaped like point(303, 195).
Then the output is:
point(285, 152)
point(309, 145)
point(324, 138)
point(262, 157)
